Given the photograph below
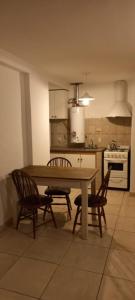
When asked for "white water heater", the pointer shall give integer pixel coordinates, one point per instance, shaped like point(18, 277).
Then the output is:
point(77, 122)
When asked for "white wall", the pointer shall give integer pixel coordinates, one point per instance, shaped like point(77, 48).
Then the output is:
point(11, 143)
point(40, 120)
point(104, 95)
point(11, 151)
point(24, 125)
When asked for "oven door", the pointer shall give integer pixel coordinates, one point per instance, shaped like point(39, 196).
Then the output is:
point(119, 172)
point(119, 167)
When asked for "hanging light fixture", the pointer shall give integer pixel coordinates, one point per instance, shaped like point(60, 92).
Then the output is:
point(85, 99)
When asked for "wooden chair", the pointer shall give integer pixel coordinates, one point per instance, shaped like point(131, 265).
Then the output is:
point(59, 192)
point(30, 200)
point(97, 202)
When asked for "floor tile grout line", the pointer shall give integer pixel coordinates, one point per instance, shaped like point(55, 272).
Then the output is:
point(105, 265)
point(41, 260)
point(18, 293)
point(58, 265)
point(9, 268)
point(119, 213)
point(109, 249)
point(121, 278)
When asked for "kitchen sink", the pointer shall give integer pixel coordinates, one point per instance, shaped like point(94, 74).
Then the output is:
point(91, 147)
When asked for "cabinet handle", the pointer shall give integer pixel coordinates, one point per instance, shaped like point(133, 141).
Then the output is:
point(81, 159)
point(78, 159)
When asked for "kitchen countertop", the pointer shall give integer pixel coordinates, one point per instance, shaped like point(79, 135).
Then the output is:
point(76, 150)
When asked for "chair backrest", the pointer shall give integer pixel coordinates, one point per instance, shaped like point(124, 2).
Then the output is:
point(59, 162)
point(25, 186)
point(102, 192)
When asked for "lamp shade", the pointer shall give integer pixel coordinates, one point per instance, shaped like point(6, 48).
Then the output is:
point(85, 99)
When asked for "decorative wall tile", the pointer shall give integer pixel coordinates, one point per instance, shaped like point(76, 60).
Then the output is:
point(101, 130)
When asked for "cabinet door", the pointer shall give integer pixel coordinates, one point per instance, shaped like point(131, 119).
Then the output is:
point(61, 107)
point(58, 106)
point(74, 159)
point(52, 105)
point(88, 160)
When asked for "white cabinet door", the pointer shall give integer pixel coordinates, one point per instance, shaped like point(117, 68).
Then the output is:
point(88, 160)
point(58, 104)
point(74, 159)
point(52, 105)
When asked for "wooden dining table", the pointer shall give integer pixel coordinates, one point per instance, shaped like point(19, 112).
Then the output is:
point(67, 177)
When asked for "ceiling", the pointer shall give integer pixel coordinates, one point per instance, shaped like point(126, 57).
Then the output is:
point(63, 39)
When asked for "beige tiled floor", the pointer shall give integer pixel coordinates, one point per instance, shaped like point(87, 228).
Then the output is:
point(58, 265)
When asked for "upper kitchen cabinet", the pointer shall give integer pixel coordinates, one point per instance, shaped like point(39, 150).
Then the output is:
point(58, 104)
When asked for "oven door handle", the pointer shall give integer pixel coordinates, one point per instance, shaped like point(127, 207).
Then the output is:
point(115, 160)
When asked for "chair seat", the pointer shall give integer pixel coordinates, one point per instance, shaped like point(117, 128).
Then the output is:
point(51, 190)
point(33, 201)
point(93, 200)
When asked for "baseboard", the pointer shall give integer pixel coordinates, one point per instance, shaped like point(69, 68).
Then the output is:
point(132, 194)
point(6, 224)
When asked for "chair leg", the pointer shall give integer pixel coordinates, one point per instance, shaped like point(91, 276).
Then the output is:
point(45, 210)
point(18, 218)
point(36, 215)
point(69, 206)
point(80, 216)
point(34, 222)
point(70, 203)
point(76, 217)
point(99, 220)
point(52, 214)
point(103, 213)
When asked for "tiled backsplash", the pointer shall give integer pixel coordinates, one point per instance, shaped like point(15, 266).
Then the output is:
point(102, 131)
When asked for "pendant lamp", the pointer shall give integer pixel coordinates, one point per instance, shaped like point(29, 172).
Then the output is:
point(85, 99)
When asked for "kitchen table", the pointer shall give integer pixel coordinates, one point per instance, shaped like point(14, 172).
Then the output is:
point(67, 177)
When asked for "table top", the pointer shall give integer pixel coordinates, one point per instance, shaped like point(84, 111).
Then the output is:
point(61, 172)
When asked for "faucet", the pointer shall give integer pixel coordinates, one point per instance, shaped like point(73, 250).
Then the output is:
point(113, 145)
point(91, 143)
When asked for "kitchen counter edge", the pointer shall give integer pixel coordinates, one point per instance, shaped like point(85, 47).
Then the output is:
point(76, 150)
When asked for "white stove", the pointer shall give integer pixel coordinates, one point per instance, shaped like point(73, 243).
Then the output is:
point(118, 159)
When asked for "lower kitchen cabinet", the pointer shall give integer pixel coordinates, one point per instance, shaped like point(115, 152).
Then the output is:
point(78, 160)
point(82, 160)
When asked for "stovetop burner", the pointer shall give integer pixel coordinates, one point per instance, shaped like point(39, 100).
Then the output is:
point(116, 150)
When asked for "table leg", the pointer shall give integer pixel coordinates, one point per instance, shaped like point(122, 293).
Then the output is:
point(93, 191)
point(93, 186)
point(84, 228)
